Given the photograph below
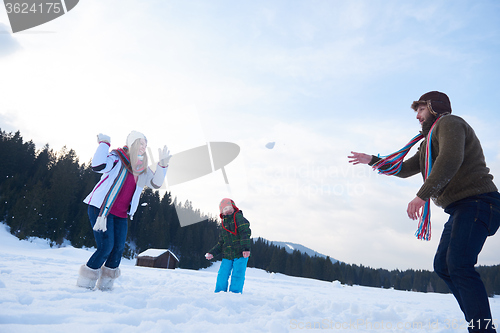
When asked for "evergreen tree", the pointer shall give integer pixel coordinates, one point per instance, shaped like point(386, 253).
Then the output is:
point(406, 282)
point(307, 267)
point(296, 263)
point(327, 270)
point(278, 260)
point(337, 273)
point(61, 197)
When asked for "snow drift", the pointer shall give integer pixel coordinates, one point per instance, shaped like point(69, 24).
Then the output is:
point(38, 294)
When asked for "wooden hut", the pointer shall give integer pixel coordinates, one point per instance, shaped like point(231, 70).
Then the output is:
point(157, 258)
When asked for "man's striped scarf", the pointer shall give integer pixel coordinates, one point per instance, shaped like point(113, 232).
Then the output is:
point(393, 164)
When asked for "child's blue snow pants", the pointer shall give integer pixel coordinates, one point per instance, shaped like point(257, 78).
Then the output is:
point(238, 267)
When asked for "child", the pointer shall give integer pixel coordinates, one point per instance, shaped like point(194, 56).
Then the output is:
point(234, 244)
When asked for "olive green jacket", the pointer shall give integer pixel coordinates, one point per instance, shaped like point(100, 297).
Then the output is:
point(232, 245)
point(458, 164)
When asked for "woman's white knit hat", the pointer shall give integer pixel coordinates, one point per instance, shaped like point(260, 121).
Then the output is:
point(134, 135)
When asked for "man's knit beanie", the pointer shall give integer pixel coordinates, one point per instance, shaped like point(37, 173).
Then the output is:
point(437, 102)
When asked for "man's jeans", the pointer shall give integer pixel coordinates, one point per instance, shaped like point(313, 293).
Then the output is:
point(110, 243)
point(471, 221)
point(238, 266)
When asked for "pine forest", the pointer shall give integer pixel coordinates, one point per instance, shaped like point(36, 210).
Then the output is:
point(42, 194)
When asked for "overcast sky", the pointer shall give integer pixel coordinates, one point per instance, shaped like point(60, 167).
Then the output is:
point(319, 78)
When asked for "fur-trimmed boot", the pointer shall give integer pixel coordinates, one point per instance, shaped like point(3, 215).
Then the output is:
point(87, 277)
point(108, 277)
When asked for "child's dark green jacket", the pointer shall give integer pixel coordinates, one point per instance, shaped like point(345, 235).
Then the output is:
point(234, 237)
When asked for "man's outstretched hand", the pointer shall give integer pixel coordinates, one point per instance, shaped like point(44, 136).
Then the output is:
point(359, 158)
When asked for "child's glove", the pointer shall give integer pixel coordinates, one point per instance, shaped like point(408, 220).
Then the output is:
point(164, 156)
point(103, 138)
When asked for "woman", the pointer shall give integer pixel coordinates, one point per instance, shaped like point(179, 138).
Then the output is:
point(116, 196)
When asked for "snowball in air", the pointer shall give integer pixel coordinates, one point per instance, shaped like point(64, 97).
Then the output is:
point(270, 145)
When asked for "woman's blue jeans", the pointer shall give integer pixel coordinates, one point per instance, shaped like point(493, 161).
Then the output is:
point(110, 243)
point(238, 267)
point(471, 221)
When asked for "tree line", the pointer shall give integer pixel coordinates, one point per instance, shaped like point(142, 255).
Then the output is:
point(276, 259)
point(42, 192)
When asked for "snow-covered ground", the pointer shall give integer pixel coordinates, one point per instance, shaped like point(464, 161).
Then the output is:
point(38, 294)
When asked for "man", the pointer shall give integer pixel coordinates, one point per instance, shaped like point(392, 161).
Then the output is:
point(457, 179)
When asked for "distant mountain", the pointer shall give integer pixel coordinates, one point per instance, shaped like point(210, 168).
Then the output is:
point(290, 247)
